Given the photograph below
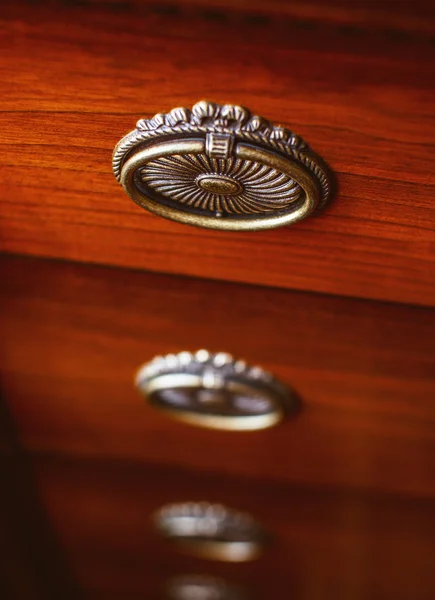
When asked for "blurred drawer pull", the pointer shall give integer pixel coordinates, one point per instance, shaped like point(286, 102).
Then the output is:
point(215, 391)
point(220, 167)
point(211, 531)
point(201, 587)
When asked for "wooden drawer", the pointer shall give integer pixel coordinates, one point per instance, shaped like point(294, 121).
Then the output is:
point(74, 335)
point(76, 79)
point(325, 543)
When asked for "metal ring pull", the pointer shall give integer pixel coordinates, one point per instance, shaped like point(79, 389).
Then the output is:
point(215, 391)
point(201, 587)
point(221, 167)
point(211, 531)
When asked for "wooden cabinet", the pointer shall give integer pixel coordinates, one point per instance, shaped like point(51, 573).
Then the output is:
point(77, 79)
point(340, 307)
point(74, 336)
point(323, 539)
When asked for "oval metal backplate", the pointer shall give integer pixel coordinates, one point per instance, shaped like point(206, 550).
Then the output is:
point(202, 587)
point(211, 531)
point(222, 168)
point(216, 391)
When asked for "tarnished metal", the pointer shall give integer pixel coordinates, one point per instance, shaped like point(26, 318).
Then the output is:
point(222, 168)
point(211, 531)
point(202, 587)
point(215, 390)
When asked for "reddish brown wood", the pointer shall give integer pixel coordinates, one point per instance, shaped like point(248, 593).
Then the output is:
point(408, 15)
point(73, 337)
point(75, 79)
point(328, 544)
point(416, 15)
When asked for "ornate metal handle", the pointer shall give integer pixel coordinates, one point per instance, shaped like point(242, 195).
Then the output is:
point(211, 531)
point(222, 168)
point(215, 391)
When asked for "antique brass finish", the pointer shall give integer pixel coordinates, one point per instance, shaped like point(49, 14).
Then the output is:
point(215, 391)
point(221, 168)
point(219, 184)
point(211, 531)
point(201, 587)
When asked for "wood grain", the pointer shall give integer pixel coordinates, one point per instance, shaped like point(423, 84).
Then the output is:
point(73, 337)
point(408, 15)
point(76, 79)
point(328, 544)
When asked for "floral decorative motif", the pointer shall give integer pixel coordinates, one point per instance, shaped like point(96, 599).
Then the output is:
point(225, 163)
point(215, 390)
point(206, 117)
point(231, 186)
point(188, 362)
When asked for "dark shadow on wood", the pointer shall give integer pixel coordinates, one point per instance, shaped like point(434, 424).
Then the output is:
point(32, 566)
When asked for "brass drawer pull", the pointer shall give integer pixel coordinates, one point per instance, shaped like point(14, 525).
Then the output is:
point(201, 587)
point(215, 391)
point(220, 167)
point(211, 531)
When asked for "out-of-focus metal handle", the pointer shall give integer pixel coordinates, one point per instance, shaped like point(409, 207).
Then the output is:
point(211, 531)
point(215, 390)
point(201, 587)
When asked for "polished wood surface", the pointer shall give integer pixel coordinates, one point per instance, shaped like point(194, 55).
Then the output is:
point(76, 79)
point(347, 486)
point(334, 545)
point(408, 15)
point(74, 335)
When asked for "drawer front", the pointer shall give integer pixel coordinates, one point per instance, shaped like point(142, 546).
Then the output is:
point(74, 335)
point(322, 544)
point(76, 80)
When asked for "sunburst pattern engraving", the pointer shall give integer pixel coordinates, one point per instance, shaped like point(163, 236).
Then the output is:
point(223, 186)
